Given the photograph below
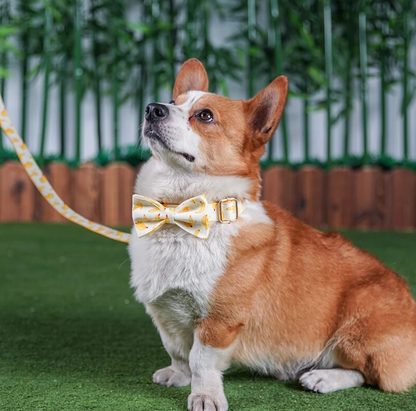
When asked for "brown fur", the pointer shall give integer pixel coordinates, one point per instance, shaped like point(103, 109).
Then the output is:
point(290, 291)
point(232, 146)
point(191, 76)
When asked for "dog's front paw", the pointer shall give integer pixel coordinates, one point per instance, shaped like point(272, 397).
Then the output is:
point(171, 378)
point(202, 402)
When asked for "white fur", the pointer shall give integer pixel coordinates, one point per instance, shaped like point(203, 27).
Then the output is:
point(178, 134)
point(177, 374)
point(163, 183)
point(207, 364)
point(325, 381)
point(173, 272)
point(275, 362)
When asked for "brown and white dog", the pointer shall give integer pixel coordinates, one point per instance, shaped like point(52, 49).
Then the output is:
point(267, 290)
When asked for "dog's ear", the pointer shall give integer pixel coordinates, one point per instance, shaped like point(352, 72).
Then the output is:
point(265, 109)
point(191, 76)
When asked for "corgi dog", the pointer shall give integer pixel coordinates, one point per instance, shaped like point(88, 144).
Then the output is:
point(261, 288)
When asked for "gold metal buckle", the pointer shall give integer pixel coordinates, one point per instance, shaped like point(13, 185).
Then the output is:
point(220, 206)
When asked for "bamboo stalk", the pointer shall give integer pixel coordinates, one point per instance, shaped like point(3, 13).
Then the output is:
point(78, 72)
point(97, 81)
point(62, 107)
point(383, 88)
point(271, 38)
point(140, 96)
point(306, 128)
point(205, 31)
point(3, 58)
point(115, 84)
point(329, 75)
point(47, 68)
point(405, 80)
point(383, 105)
point(142, 91)
point(155, 16)
point(24, 73)
point(224, 87)
point(278, 67)
point(251, 21)
point(25, 89)
point(4, 10)
point(172, 40)
point(348, 80)
point(362, 21)
point(190, 27)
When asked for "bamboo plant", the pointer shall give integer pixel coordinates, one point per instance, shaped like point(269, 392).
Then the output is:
point(326, 47)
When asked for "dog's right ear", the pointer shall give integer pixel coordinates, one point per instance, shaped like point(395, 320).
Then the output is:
point(191, 76)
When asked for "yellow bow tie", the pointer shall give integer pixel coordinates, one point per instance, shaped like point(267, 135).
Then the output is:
point(193, 215)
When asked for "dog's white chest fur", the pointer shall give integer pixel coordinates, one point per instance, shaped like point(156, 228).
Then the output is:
point(171, 259)
point(173, 272)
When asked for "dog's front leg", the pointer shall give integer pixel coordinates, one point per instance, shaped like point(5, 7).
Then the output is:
point(210, 355)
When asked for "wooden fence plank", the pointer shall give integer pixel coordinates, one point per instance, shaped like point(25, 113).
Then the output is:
point(86, 191)
point(310, 196)
point(17, 197)
point(279, 187)
point(342, 198)
point(339, 197)
point(59, 175)
point(380, 199)
point(403, 187)
point(387, 219)
point(369, 198)
point(117, 189)
point(127, 179)
point(110, 202)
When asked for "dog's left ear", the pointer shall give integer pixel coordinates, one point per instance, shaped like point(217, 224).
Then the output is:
point(191, 76)
point(265, 110)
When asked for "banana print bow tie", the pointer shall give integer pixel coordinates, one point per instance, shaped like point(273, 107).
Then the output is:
point(193, 215)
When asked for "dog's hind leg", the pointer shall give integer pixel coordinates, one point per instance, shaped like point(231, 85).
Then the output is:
point(178, 373)
point(324, 381)
point(389, 361)
point(378, 333)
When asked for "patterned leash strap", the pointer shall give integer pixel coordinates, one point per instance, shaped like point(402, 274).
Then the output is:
point(44, 187)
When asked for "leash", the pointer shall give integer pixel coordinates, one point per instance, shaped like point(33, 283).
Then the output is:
point(44, 187)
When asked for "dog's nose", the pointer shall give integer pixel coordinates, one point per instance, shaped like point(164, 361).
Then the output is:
point(156, 112)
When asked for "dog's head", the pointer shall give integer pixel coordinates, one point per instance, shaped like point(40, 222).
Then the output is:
point(203, 132)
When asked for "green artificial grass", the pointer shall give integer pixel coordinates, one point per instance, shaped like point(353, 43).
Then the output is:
point(73, 338)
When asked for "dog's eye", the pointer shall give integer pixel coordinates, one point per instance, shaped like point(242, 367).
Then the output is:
point(205, 115)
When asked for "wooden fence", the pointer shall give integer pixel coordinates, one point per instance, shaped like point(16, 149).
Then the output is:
point(366, 198)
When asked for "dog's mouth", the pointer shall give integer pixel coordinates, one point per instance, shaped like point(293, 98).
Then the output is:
point(153, 135)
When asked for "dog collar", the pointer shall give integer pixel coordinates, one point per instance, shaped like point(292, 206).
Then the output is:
point(193, 215)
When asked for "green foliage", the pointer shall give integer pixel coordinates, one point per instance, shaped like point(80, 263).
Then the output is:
point(384, 162)
point(136, 155)
point(133, 155)
point(9, 155)
point(131, 49)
